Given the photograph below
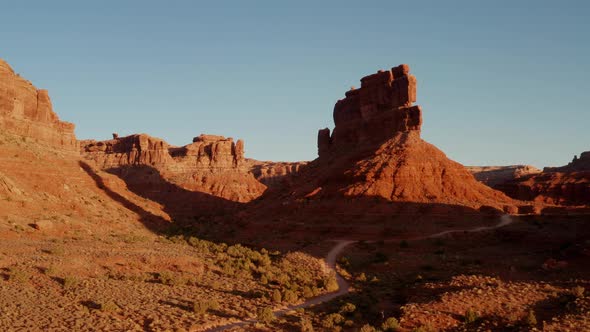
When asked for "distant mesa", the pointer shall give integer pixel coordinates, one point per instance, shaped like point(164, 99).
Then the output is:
point(381, 107)
point(494, 175)
point(27, 112)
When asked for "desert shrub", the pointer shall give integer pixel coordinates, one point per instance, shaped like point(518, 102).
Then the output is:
point(367, 328)
point(305, 325)
point(470, 316)
point(361, 277)
point(166, 278)
point(347, 308)
point(108, 306)
point(390, 324)
point(50, 271)
point(307, 292)
point(531, 319)
point(332, 320)
point(265, 315)
point(18, 275)
point(170, 279)
point(331, 284)
point(578, 291)
point(200, 307)
point(289, 296)
point(213, 304)
point(58, 250)
point(70, 282)
point(276, 296)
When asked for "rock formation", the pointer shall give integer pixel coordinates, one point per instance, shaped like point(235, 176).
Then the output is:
point(369, 115)
point(375, 150)
point(274, 174)
point(566, 185)
point(212, 164)
point(494, 175)
point(27, 112)
point(576, 165)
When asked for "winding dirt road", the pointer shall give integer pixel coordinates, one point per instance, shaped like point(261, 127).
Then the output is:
point(343, 286)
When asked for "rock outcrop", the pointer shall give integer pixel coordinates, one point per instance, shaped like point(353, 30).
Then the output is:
point(212, 164)
point(369, 115)
point(27, 112)
point(375, 150)
point(494, 175)
point(275, 174)
point(566, 185)
point(576, 165)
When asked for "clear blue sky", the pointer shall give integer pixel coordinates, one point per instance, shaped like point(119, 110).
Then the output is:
point(500, 82)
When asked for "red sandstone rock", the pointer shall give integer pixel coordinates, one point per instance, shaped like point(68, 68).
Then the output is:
point(494, 175)
point(275, 174)
point(27, 112)
point(566, 185)
point(211, 164)
point(371, 114)
point(375, 150)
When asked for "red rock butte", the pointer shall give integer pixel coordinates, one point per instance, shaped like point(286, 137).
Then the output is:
point(375, 150)
point(372, 113)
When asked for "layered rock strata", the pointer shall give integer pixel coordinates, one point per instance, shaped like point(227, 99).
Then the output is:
point(27, 112)
point(212, 164)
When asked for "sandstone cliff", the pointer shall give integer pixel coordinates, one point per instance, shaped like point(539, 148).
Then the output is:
point(212, 164)
point(28, 113)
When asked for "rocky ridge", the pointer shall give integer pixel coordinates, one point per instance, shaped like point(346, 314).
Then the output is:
point(494, 175)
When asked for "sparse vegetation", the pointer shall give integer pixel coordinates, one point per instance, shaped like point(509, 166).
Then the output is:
point(265, 315)
point(18, 275)
point(305, 325)
point(70, 282)
point(201, 307)
point(367, 328)
point(390, 324)
point(332, 320)
point(108, 305)
point(531, 319)
point(276, 296)
point(470, 317)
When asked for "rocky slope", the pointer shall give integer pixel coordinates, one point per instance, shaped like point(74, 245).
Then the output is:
point(566, 185)
point(375, 150)
point(27, 112)
point(493, 175)
point(43, 182)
